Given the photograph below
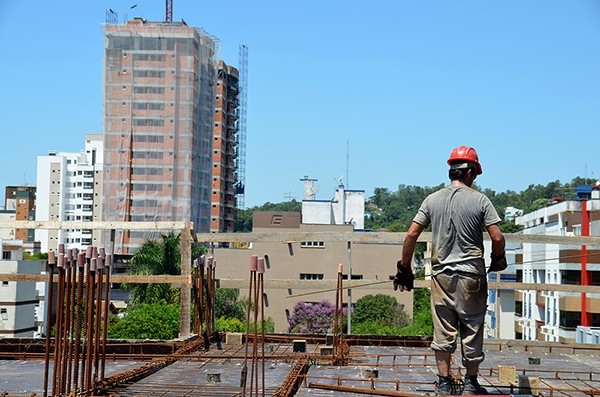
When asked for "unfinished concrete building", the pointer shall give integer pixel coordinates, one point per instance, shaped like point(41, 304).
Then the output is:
point(159, 100)
point(224, 176)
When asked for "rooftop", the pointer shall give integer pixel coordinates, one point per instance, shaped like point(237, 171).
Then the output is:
point(370, 366)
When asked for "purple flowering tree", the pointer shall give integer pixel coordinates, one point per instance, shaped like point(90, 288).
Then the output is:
point(311, 318)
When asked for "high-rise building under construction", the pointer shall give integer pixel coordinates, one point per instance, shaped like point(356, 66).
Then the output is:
point(159, 104)
point(223, 195)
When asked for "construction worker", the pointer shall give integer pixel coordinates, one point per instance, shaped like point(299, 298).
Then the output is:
point(457, 215)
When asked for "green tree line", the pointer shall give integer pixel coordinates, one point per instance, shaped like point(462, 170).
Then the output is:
point(393, 210)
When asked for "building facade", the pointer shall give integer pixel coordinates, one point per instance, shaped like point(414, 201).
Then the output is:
point(500, 315)
point(19, 302)
point(21, 199)
point(309, 262)
point(346, 208)
point(554, 315)
point(224, 176)
point(159, 101)
point(69, 188)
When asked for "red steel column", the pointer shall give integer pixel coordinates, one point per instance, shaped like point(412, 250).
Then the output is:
point(585, 231)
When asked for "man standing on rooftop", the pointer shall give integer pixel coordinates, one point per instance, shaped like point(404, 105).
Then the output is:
point(457, 215)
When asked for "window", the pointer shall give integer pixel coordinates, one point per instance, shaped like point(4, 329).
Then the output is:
point(354, 277)
point(4, 314)
point(311, 276)
point(312, 244)
point(6, 255)
point(569, 320)
point(5, 283)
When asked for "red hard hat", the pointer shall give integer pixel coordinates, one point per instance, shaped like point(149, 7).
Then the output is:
point(465, 154)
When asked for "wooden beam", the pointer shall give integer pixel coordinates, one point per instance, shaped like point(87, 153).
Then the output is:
point(186, 288)
point(108, 225)
point(316, 285)
point(287, 236)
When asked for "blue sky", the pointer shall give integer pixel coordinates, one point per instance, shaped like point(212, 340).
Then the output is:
point(377, 92)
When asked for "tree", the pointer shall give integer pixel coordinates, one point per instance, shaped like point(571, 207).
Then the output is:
point(381, 309)
point(158, 257)
point(243, 221)
point(311, 318)
point(422, 324)
point(228, 305)
point(146, 321)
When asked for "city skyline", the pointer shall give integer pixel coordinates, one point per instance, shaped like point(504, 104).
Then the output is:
point(374, 94)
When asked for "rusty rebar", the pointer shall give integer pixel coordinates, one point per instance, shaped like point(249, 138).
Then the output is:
point(48, 326)
point(56, 386)
point(66, 352)
point(244, 375)
point(89, 334)
point(98, 313)
point(261, 270)
point(78, 316)
point(107, 265)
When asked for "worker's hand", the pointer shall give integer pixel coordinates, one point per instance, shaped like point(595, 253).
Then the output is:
point(405, 279)
point(498, 263)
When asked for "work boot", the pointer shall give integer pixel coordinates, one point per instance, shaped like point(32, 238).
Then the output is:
point(472, 387)
point(444, 386)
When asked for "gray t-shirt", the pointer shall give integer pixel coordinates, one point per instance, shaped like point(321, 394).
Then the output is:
point(457, 215)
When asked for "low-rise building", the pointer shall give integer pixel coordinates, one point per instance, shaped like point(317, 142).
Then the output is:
point(554, 315)
point(19, 301)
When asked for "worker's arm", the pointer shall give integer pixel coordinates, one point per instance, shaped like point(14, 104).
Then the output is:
point(498, 255)
point(408, 247)
point(498, 244)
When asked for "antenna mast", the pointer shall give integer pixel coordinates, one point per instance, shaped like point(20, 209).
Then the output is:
point(169, 11)
point(241, 137)
point(347, 163)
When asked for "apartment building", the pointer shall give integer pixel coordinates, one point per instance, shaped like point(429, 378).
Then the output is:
point(19, 302)
point(69, 188)
point(159, 104)
point(224, 176)
point(552, 315)
point(21, 199)
point(500, 315)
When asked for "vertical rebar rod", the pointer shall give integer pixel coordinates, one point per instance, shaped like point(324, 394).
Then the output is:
point(49, 305)
point(56, 390)
point(78, 316)
point(336, 314)
point(195, 296)
point(74, 288)
point(89, 334)
point(88, 286)
point(253, 368)
point(66, 354)
point(253, 266)
point(98, 313)
point(261, 291)
point(201, 294)
point(107, 266)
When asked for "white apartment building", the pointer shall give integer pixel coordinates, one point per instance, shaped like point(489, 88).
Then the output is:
point(69, 188)
point(19, 302)
point(500, 316)
point(551, 315)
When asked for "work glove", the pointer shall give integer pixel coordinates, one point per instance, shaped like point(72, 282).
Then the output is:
point(498, 263)
point(405, 279)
